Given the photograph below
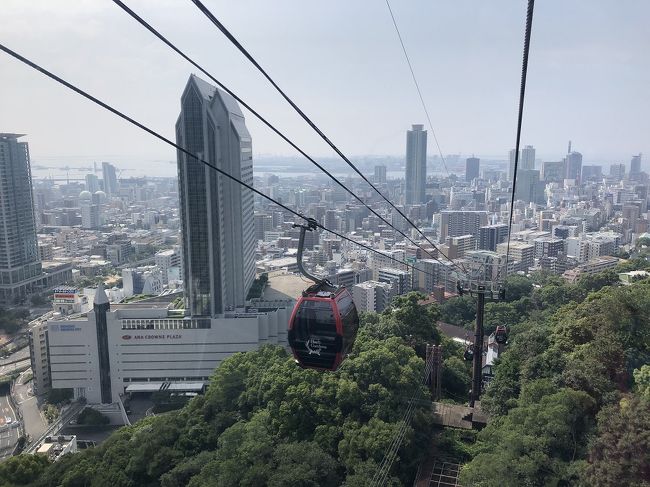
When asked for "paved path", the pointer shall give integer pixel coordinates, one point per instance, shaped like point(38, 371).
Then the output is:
point(8, 434)
point(34, 422)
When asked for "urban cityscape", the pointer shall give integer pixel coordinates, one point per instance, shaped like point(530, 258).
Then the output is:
point(148, 322)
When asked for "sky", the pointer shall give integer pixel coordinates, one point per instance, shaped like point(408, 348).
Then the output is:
point(340, 60)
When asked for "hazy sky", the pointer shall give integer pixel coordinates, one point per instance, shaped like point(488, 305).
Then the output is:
point(589, 74)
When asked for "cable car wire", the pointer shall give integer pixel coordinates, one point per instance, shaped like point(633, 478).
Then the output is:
point(391, 452)
point(417, 87)
point(150, 131)
point(248, 56)
point(522, 94)
point(156, 33)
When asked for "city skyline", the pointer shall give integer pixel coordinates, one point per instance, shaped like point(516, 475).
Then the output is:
point(591, 60)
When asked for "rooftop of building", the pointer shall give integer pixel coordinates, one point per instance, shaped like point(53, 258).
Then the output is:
point(285, 286)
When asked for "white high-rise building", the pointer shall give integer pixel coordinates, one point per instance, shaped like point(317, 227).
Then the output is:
point(216, 212)
point(416, 165)
point(372, 296)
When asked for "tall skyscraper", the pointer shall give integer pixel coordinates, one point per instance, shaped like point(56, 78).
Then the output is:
point(635, 166)
point(573, 165)
point(216, 213)
point(380, 174)
point(19, 261)
point(511, 164)
point(92, 183)
point(527, 158)
point(416, 165)
point(471, 168)
point(529, 187)
point(110, 179)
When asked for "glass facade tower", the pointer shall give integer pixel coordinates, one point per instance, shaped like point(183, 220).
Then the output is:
point(20, 264)
point(216, 213)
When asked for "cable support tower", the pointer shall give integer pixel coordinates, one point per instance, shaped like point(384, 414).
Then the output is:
point(417, 87)
point(248, 56)
point(522, 95)
point(256, 114)
point(164, 139)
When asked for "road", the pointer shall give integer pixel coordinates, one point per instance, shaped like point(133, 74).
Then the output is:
point(8, 369)
point(21, 354)
point(35, 423)
point(8, 435)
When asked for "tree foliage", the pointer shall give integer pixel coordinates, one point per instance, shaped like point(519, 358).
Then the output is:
point(575, 355)
point(265, 421)
point(22, 470)
point(620, 453)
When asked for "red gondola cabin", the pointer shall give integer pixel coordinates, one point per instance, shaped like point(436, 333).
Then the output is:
point(322, 328)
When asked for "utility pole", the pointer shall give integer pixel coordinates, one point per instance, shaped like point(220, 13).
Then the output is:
point(477, 373)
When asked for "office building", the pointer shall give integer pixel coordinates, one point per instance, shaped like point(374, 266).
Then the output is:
point(263, 224)
point(92, 183)
point(592, 173)
point(121, 348)
point(110, 179)
point(527, 158)
point(635, 166)
point(511, 164)
point(20, 265)
point(380, 174)
point(573, 166)
point(529, 187)
point(526, 161)
point(456, 223)
point(491, 235)
point(216, 213)
point(416, 165)
point(553, 171)
point(617, 171)
point(472, 168)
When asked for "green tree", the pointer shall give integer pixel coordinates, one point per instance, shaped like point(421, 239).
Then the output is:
point(535, 443)
point(22, 469)
point(518, 287)
point(642, 381)
point(458, 311)
point(620, 453)
point(90, 416)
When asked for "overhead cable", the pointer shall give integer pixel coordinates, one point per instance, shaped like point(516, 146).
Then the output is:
point(522, 95)
point(248, 56)
point(150, 131)
point(417, 87)
point(256, 114)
